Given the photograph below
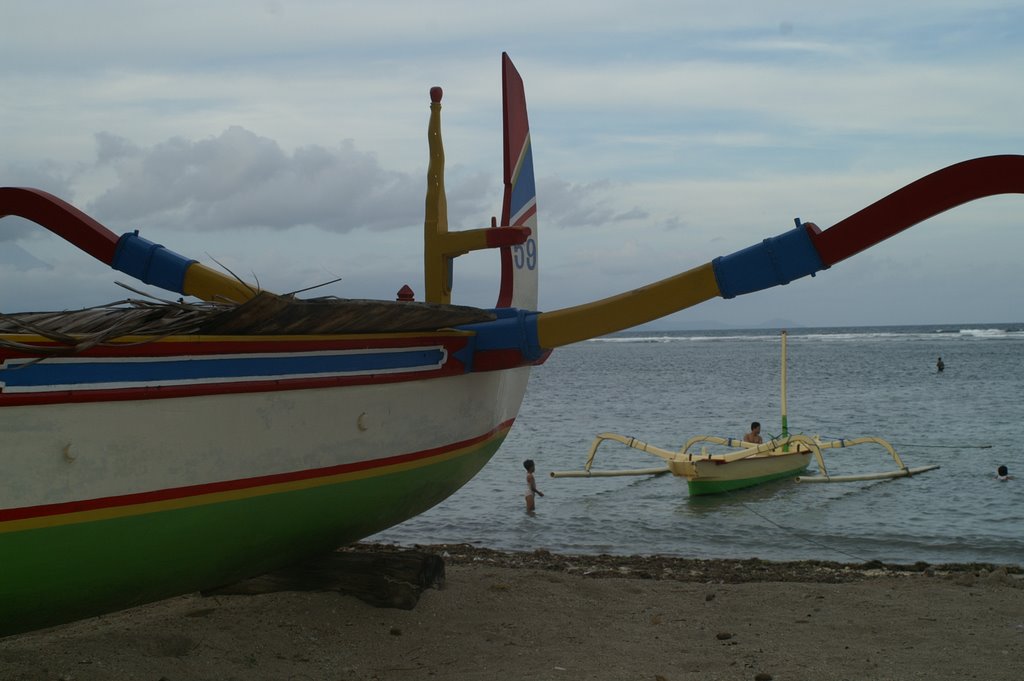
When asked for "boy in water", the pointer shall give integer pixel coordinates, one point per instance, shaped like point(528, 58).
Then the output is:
point(1003, 474)
point(531, 485)
point(755, 434)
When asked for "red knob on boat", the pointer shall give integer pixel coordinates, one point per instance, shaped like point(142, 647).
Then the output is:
point(435, 94)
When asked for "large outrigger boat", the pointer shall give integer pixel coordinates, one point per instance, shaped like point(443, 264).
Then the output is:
point(151, 450)
point(735, 463)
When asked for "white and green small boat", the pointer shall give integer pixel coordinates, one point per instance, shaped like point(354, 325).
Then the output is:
point(735, 464)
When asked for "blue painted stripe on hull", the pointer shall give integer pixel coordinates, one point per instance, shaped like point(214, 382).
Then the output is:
point(29, 375)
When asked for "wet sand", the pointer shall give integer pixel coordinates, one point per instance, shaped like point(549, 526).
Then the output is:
point(542, 616)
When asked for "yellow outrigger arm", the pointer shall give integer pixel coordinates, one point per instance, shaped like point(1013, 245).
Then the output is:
point(682, 462)
point(626, 310)
point(901, 472)
point(677, 460)
point(789, 256)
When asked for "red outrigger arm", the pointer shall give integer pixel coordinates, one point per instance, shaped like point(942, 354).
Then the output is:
point(61, 218)
point(129, 253)
point(933, 194)
point(778, 260)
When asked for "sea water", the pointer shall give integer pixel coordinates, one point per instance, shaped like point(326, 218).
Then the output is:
point(664, 387)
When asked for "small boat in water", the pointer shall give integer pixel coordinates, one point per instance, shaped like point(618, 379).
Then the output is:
point(155, 449)
point(736, 463)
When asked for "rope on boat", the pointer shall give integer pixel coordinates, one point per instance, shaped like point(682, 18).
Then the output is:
point(793, 532)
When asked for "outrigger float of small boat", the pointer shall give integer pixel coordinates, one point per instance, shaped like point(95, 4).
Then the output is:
point(743, 464)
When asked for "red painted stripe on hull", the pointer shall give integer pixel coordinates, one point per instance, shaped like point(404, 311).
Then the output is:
point(452, 367)
point(242, 484)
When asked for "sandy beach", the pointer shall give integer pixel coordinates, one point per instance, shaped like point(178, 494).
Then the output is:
point(543, 616)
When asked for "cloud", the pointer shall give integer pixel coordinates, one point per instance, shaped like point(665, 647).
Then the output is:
point(239, 179)
point(665, 134)
point(590, 205)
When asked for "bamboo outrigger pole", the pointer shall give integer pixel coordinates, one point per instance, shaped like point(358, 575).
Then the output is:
point(610, 474)
point(901, 473)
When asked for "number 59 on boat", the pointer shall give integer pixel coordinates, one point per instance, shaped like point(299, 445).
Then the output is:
point(155, 449)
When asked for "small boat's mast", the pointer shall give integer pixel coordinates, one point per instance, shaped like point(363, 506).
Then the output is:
point(785, 424)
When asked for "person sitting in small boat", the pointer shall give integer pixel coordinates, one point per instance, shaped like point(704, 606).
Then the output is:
point(1003, 474)
point(755, 434)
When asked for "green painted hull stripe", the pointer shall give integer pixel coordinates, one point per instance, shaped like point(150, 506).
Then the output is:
point(57, 574)
point(698, 487)
point(135, 504)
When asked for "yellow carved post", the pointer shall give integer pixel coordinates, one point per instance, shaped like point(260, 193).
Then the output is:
point(436, 265)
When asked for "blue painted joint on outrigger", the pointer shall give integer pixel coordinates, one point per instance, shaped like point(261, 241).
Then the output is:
point(513, 329)
point(776, 260)
point(150, 262)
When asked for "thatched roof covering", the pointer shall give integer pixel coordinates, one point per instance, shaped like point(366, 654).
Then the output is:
point(266, 314)
point(269, 314)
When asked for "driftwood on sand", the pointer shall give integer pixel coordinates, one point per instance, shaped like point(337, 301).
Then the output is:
point(393, 579)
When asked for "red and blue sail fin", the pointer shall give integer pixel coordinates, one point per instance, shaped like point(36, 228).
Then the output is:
point(519, 208)
point(440, 246)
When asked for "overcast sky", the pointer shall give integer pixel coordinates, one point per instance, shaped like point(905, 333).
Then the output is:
point(287, 141)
